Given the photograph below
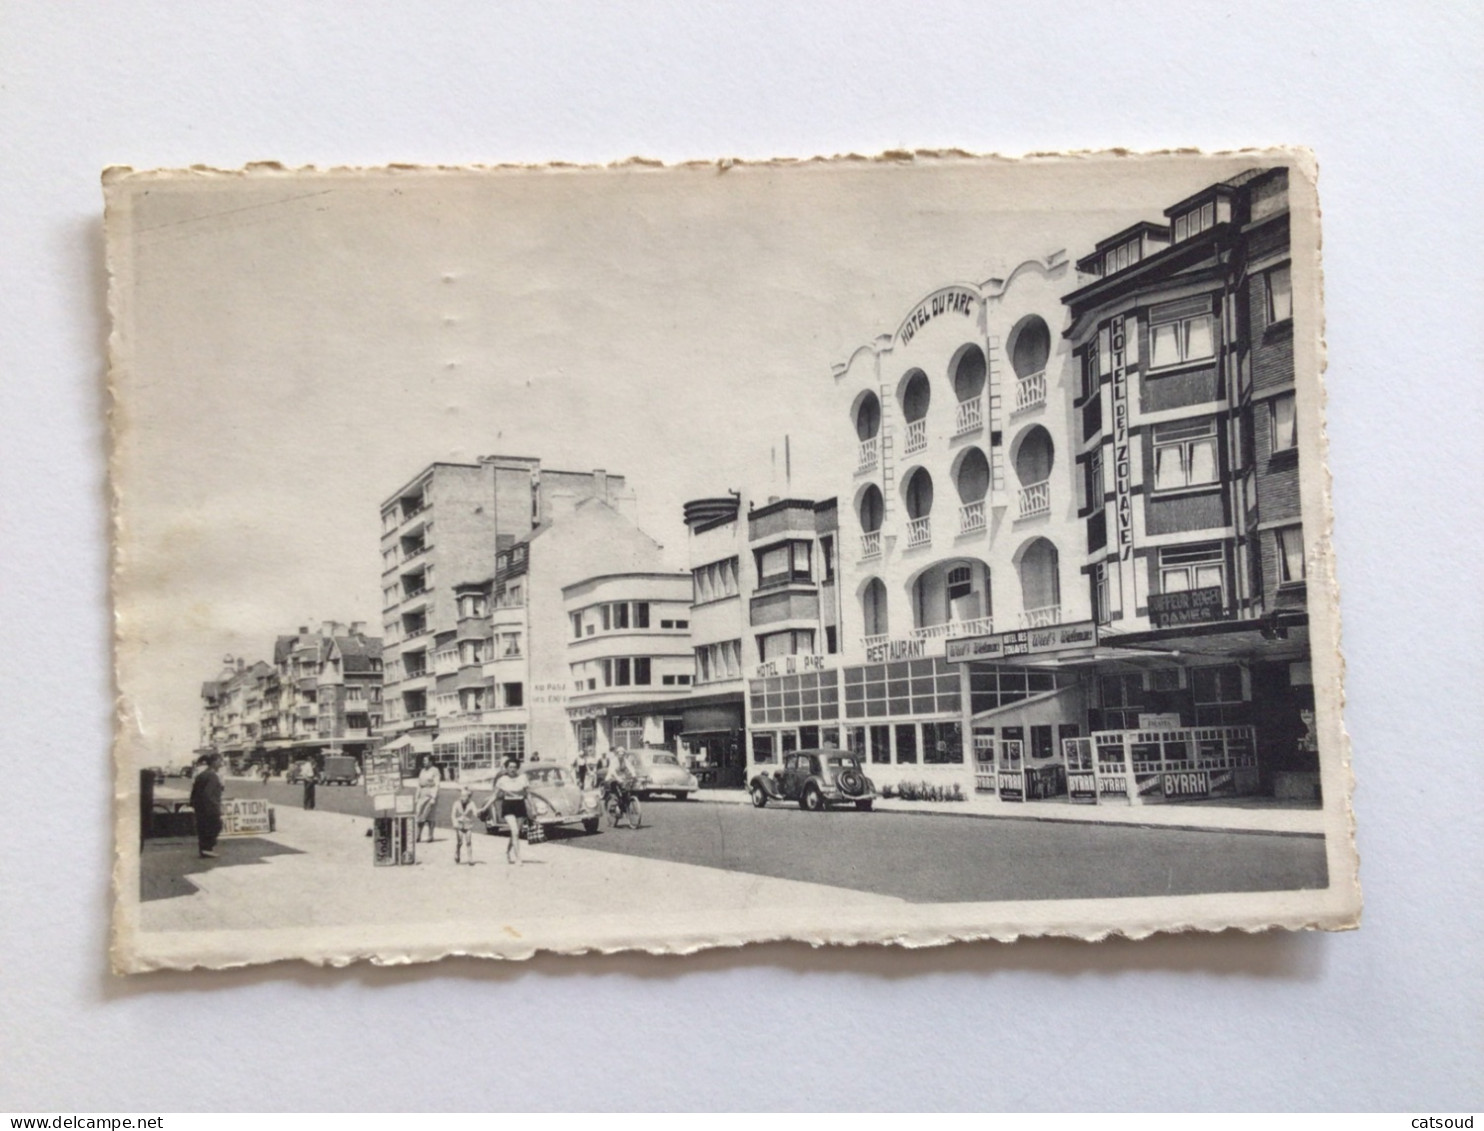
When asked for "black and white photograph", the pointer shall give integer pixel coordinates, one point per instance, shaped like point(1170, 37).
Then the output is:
point(914, 549)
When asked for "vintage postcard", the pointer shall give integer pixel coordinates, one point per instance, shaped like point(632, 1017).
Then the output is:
point(897, 550)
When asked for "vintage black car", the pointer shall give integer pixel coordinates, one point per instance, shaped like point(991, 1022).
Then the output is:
point(816, 779)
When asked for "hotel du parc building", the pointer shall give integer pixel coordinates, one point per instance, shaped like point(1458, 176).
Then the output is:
point(1065, 559)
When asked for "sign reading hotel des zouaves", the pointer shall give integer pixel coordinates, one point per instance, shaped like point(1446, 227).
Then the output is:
point(1121, 462)
point(956, 300)
point(1028, 641)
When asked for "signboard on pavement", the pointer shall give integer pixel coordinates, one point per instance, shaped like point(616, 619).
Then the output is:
point(246, 816)
point(382, 772)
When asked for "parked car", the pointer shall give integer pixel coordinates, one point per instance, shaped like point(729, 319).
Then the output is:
point(340, 769)
point(660, 771)
point(554, 799)
point(816, 779)
point(300, 771)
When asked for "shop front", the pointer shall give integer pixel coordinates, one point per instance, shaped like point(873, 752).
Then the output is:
point(713, 742)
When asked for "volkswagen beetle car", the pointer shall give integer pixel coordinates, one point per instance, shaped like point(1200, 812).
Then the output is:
point(659, 771)
point(816, 779)
point(552, 800)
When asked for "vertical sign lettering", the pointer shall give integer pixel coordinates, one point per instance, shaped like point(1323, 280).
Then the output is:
point(1121, 462)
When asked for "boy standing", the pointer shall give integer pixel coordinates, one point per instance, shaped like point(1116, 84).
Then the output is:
point(464, 815)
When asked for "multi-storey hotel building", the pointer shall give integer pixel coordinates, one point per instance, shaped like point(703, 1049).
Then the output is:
point(453, 629)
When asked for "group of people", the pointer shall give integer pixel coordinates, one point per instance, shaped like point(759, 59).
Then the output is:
point(509, 801)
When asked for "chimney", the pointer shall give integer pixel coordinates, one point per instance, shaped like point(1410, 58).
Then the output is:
point(358, 628)
point(303, 630)
point(600, 483)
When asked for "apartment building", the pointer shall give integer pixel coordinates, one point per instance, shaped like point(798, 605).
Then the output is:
point(232, 709)
point(442, 534)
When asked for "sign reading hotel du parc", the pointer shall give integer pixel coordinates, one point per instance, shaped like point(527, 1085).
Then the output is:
point(1026, 642)
point(469, 560)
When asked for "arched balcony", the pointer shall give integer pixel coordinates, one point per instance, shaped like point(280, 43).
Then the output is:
point(1029, 347)
point(871, 509)
point(1033, 455)
point(969, 370)
point(916, 395)
point(952, 598)
point(971, 477)
point(917, 494)
point(1039, 566)
point(867, 431)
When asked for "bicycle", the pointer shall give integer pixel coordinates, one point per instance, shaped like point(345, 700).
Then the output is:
point(621, 804)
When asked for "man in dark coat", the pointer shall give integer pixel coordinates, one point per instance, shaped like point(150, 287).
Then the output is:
point(206, 800)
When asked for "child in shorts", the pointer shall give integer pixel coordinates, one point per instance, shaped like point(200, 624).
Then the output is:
point(465, 812)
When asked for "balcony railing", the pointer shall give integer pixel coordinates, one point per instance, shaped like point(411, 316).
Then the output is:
point(1043, 617)
point(1030, 392)
point(971, 518)
point(869, 642)
point(919, 531)
point(871, 544)
point(916, 436)
point(970, 417)
point(1035, 499)
point(869, 451)
point(931, 631)
point(978, 626)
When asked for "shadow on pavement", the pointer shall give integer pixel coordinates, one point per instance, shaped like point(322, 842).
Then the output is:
point(166, 865)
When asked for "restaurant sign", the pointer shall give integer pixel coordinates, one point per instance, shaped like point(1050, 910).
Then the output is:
point(1026, 642)
point(1190, 606)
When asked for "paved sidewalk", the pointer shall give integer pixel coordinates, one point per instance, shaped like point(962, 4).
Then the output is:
point(315, 870)
point(1276, 818)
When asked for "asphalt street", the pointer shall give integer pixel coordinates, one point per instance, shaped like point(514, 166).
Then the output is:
point(926, 858)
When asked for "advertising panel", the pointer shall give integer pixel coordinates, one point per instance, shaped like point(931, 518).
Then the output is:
point(246, 816)
point(1025, 642)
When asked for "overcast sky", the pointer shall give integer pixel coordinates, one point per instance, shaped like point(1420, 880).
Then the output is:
point(297, 347)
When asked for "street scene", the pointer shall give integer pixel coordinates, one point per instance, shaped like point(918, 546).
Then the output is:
point(1001, 597)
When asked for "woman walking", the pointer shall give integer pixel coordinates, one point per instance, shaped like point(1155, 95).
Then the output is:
point(511, 790)
point(427, 797)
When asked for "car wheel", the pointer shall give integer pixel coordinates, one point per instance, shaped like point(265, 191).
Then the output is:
point(591, 824)
point(682, 796)
point(812, 800)
point(759, 796)
point(864, 804)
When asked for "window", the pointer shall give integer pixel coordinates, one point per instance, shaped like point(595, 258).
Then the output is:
point(515, 694)
point(577, 626)
point(1283, 423)
point(1090, 370)
point(960, 582)
point(1192, 567)
point(607, 673)
point(621, 615)
point(674, 624)
point(1180, 332)
point(1279, 289)
point(1102, 606)
point(1290, 554)
point(1184, 454)
point(827, 556)
point(621, 672)
point(906, 743)
point(641, 671)
point(915, 687)
point(762, 747)
point(607, 619)
point(511, 644)
point(793, 642)
point(788, 561)
point(1196, 221)
point(1117, 258)
point(715, 581)
point(942, 743)
point(718, 661)
point(641, 614)
point(1096, 492)
point(352, 694)
point(831, 640)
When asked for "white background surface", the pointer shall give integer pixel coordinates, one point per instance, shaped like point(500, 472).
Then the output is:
point(1389, 1017)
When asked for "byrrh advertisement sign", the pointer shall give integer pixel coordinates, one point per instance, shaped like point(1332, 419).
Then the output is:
point(1026, 642)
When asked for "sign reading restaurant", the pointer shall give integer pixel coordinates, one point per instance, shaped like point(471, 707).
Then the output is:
point(1026, 642)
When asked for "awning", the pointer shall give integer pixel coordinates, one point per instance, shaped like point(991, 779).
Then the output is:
point(412, 743)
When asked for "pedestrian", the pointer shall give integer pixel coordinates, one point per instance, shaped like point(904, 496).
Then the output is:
point(464, 814)
point(511, 789)
point(206, 803)
point(427, 798)
point(311, 779)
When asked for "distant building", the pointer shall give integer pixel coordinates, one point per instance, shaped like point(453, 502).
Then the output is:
point(232, 708)
point(442, 533)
